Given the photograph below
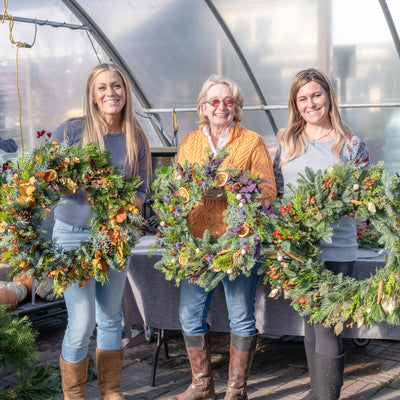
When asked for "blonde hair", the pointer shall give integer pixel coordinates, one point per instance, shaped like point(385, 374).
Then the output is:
point(236, 94)
point(96, 127)
point(293, 139)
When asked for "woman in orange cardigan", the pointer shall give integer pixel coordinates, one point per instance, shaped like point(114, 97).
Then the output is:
point(219, 106)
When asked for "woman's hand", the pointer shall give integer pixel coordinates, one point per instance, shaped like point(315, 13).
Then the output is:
point(352, 214)
point(137, 202)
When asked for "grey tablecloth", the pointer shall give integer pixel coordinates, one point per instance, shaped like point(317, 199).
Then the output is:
point(149, 299)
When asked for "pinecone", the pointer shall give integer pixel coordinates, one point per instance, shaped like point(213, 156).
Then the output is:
point(107, 247)
point(93, 164)
point(25, 216)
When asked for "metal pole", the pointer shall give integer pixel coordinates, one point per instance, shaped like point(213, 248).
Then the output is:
point(242, 58)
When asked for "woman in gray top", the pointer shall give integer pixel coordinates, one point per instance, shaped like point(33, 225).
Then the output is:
point(318, 138)
point(109, 121)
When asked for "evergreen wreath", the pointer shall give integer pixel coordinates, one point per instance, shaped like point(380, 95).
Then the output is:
point(207, 260)
point(292, 265)
point(32, 185)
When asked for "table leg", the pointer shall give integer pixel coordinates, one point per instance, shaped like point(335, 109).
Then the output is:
point(161, 338)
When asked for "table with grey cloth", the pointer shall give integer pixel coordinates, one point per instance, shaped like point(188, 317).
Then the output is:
point(150, 300)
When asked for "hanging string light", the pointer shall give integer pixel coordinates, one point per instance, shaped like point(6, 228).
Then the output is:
point(18, 45)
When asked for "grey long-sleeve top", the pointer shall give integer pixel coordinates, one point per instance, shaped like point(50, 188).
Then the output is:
point(75, 209)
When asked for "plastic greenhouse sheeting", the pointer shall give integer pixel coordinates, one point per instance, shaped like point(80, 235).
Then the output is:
point(169, 47)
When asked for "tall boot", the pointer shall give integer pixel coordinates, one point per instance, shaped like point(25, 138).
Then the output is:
point(109, 367)
point(328, 377)
point(202, 386)
point(309, 347)
point(73, 378)
point(241, 357)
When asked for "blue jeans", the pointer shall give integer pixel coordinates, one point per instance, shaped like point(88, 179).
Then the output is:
point(90, 304)
point(240, 296)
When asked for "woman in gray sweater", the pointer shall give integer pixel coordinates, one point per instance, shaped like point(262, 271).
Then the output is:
point(110, 122)
point(316, 137)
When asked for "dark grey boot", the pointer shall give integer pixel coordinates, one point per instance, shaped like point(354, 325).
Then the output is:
point(330, 377)
point(309, 347)
point(326, 377)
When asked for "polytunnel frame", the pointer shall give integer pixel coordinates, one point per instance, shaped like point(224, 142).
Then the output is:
point(77, 10)
point(108, 47)
point(89, 25)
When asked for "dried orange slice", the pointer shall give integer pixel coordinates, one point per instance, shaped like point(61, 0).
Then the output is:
point(183, 259)
point(245, 231)
point(48, 175)
point(222, 178)
point(182, 192)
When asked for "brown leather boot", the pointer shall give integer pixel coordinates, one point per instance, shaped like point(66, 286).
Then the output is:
point(109, 367)
point(202, 386)
point(241, 357)
point(73, 378)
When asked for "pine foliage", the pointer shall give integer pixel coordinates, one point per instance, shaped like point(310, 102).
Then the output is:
point(18, 352)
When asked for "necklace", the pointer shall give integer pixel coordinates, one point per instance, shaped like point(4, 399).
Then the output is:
point(327, 134)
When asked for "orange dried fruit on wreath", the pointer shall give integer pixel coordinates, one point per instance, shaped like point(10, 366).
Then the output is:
point(48, 175)
point(245, 231)
point(182, 192)
point(222, 178)
point(183, 259)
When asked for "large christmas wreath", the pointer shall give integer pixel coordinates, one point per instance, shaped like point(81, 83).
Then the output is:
point(292, 264)
point(207, 260)
point(32, 185)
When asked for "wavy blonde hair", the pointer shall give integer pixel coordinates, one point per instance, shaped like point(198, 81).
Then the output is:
point(293, 139)
point(236, 94)
point(96, 126)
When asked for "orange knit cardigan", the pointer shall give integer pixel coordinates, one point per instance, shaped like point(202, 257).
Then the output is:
point(247, 151)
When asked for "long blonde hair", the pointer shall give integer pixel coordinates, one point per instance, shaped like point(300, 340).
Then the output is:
point(96, 127)
point(293, 139)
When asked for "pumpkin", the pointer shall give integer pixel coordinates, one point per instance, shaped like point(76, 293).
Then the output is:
point(20, 290)
point(7, 296)
point(26, 280)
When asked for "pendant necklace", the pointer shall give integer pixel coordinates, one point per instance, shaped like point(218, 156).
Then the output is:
point(327, 134)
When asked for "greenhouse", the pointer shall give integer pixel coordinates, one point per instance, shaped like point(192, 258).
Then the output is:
point(167, 50)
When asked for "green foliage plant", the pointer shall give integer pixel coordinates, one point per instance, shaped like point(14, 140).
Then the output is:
point(18, 352)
